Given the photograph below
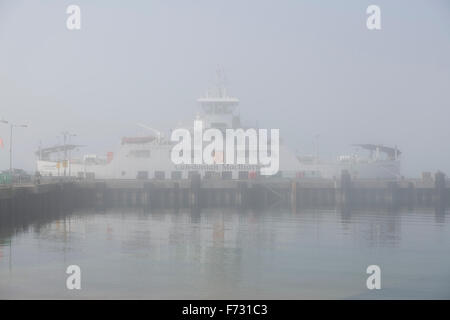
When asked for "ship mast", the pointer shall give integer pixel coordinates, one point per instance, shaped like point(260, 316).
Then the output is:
point(218, 110)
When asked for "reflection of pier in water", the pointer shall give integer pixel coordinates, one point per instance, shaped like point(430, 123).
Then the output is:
point(230, 248)
point(21, 205)
point(217, 252)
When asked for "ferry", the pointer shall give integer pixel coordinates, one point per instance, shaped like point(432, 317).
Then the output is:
point(149, 156)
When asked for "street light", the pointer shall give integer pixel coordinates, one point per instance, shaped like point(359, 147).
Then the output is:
point(12, 126)
point(66, 136)
point(317, 136)
point(70, 153)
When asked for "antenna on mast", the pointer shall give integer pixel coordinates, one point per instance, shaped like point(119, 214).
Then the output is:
point(221, 81)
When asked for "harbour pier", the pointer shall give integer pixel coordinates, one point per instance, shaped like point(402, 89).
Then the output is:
point(51, 197)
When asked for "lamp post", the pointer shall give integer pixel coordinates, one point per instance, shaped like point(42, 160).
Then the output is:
point(66, 137)
point(12, 126)
point(70, 153)
point(316, 137)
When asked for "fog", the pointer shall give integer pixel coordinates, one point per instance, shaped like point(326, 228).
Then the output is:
point(306, 67)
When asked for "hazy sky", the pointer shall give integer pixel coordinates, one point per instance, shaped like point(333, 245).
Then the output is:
point(305, 67)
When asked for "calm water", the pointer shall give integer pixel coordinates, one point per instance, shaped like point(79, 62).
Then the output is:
point(220, 254)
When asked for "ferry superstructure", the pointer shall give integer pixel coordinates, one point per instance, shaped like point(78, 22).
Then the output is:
point(382, 162)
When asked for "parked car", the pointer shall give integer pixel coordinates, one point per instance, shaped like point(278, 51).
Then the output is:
point(17, 176)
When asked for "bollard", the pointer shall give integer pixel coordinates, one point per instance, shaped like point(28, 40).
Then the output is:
point(194, 196)
point(440, 190)
point(241, 197)
point(294, 186)
point(344, 192)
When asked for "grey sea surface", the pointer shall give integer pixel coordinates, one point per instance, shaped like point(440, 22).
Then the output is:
point(224, 254)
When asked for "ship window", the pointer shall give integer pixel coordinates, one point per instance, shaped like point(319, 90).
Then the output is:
point(192, 174)
point(90, 175)
point(142, 175)
point(212, 175)
point(227, 175)
point(139, 153)
point(176, 175)
point(243, 175)
point(207, 108)
point(160, 175)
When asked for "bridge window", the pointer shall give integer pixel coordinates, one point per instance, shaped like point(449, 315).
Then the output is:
point(139, 154)
point(176, 175)
point(160, 175)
